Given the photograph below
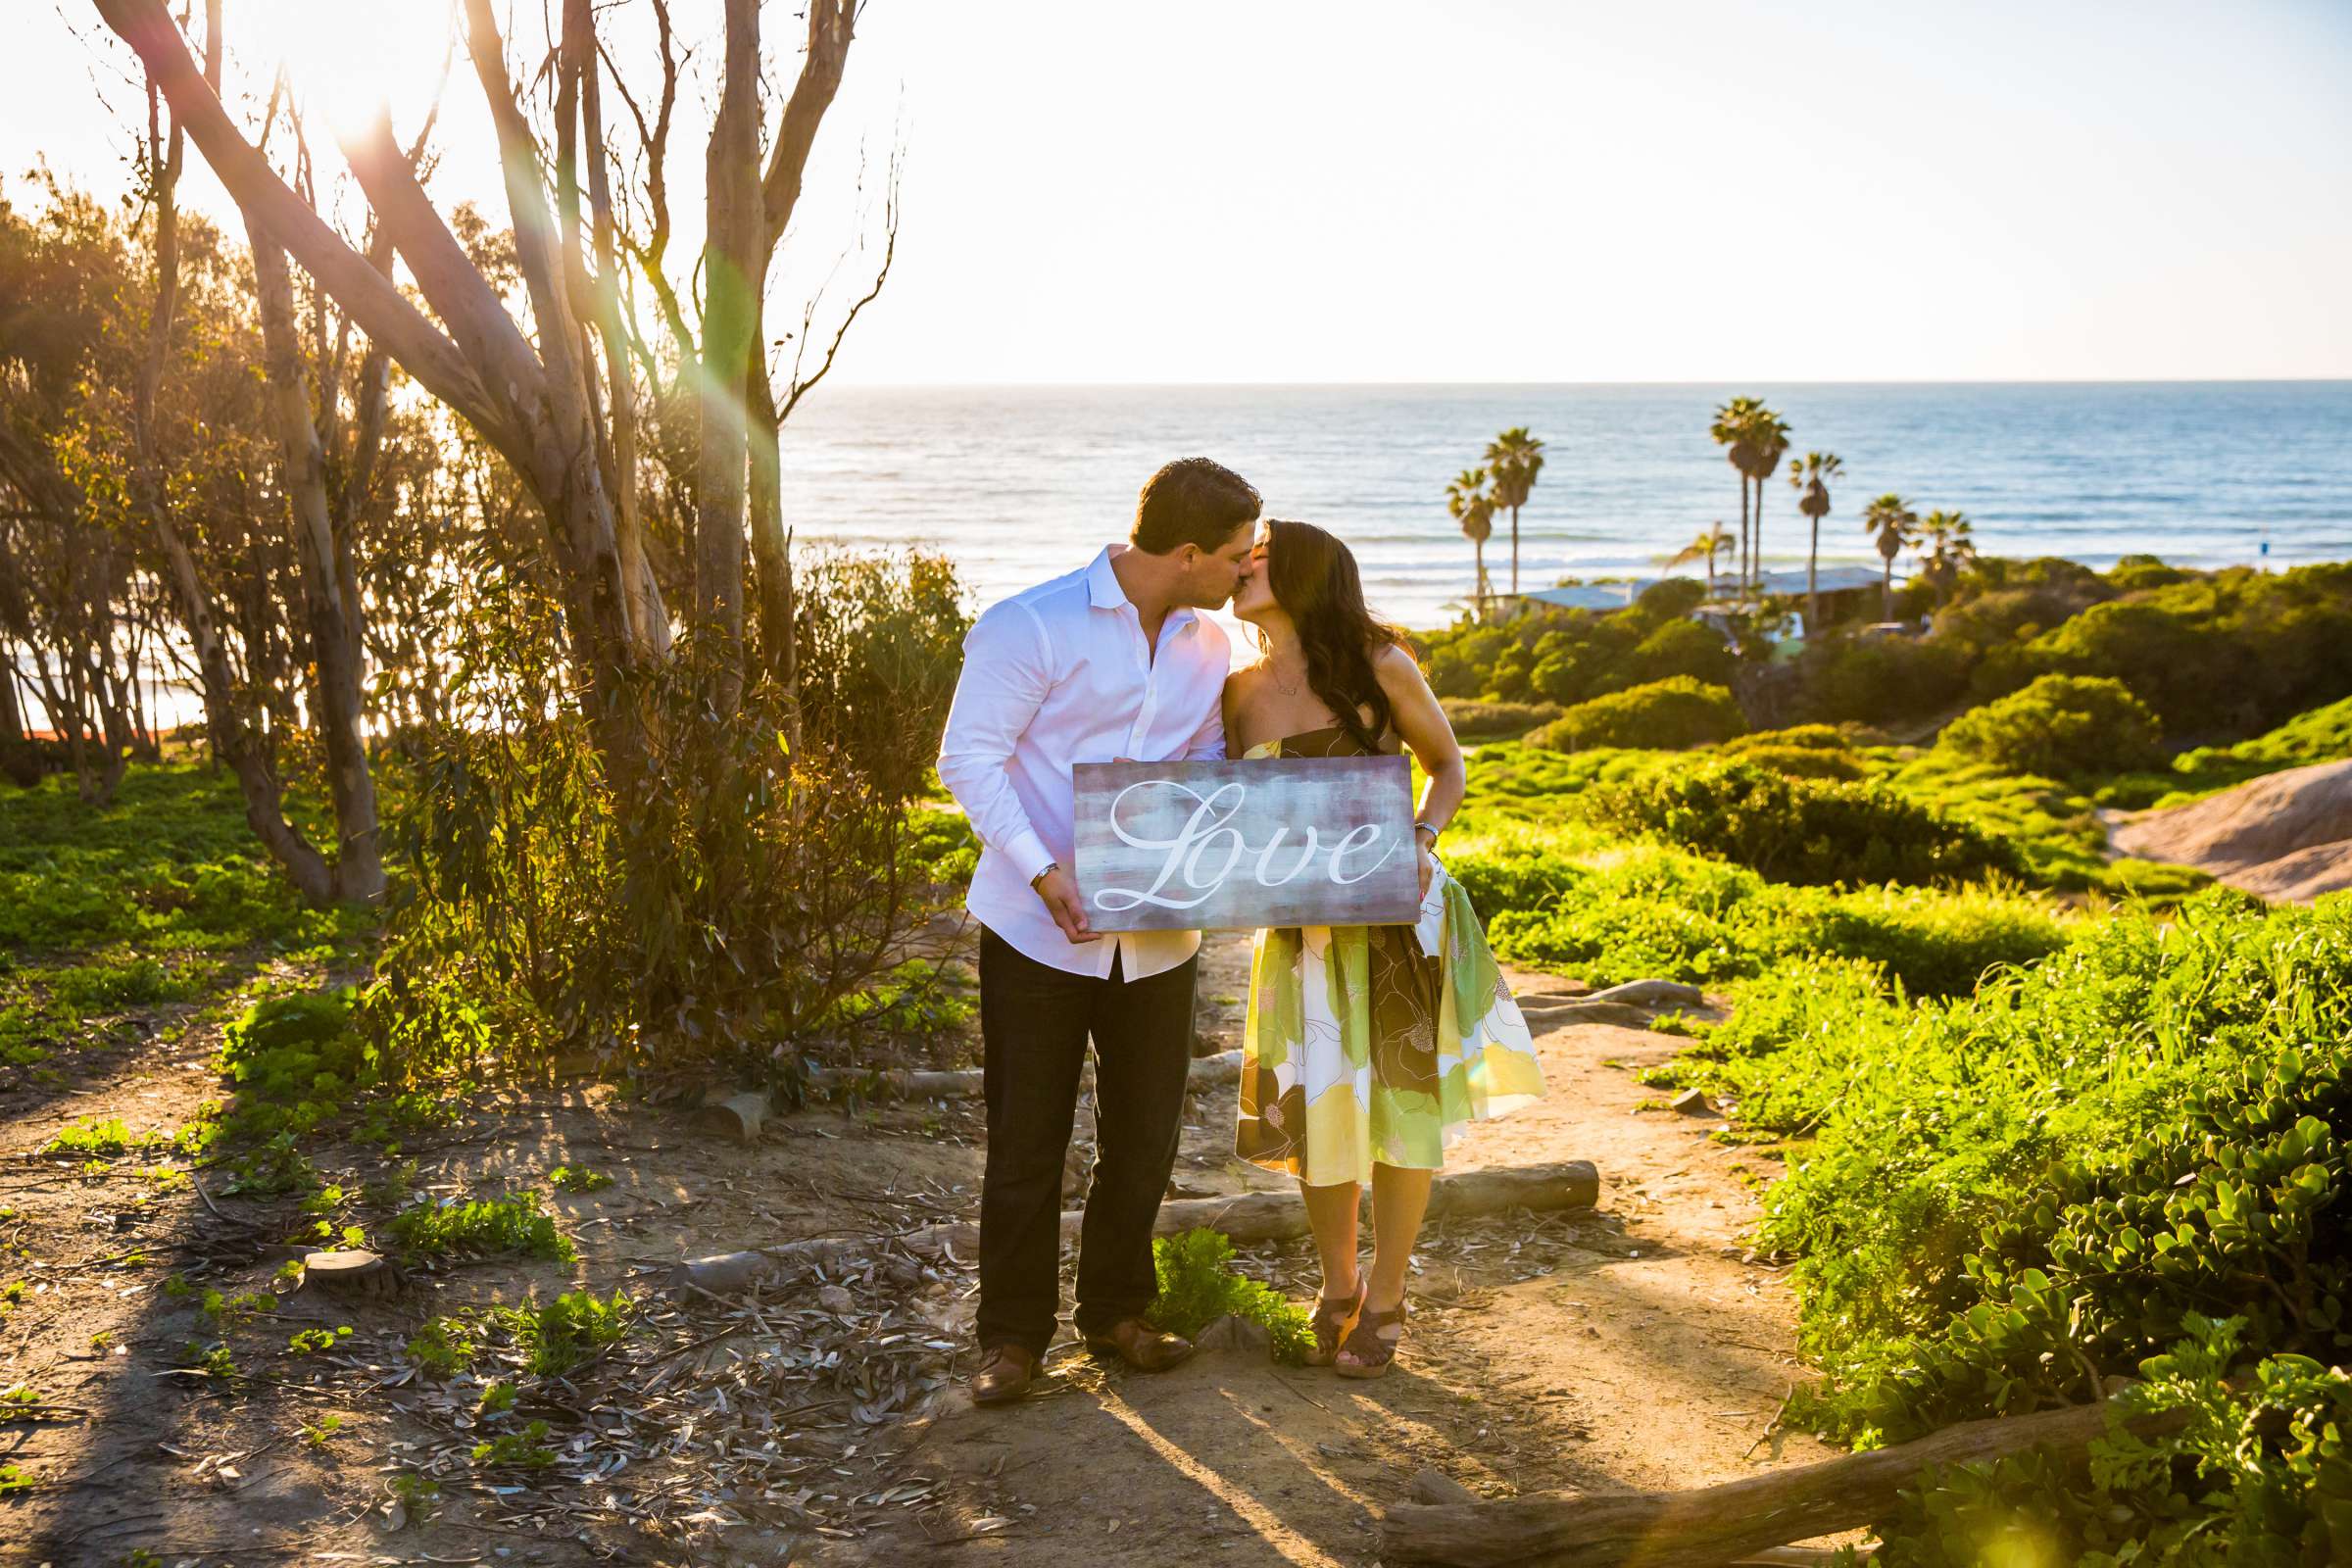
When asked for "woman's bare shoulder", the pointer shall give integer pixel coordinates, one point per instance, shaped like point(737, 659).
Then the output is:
point(1395, 665)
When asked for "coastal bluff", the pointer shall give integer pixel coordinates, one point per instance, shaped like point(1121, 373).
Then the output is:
point(2285, 838)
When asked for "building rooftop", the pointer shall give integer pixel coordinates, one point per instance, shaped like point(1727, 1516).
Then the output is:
point(1607, 596)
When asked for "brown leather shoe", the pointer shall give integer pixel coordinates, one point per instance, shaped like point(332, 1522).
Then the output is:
point(1140, 1345)
point(1005, 1375)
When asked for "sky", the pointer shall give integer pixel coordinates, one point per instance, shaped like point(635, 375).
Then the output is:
point(1484, 190)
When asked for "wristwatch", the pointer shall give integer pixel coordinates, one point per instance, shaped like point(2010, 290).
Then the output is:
point(1430, 828)
point(1051, 868)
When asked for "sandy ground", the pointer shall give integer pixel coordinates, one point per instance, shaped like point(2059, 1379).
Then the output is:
point(2285, 838)
point(1630, 1347)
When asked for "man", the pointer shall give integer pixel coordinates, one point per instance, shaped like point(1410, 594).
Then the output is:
point(1110, 662)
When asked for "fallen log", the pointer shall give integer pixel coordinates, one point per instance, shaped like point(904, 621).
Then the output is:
point(1711, 1526)
point(1651, 993)
point(1580, 1010)
point(1246, 1217)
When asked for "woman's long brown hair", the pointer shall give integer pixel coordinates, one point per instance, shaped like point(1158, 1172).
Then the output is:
point(1315, 581)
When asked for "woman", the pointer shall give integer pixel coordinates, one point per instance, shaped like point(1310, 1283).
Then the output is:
point(1367, 1047)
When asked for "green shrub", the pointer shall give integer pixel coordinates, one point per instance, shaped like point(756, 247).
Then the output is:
point(753, 874)
point(2018, 1193)
point(1808, 751)
point(1656, 913)
point(2015, 1196)
point(1936, 944)
point(1673, 715)
point(514, 1224)
point(1682, 647)
point(526, 1448)
point(2322, 735)
point(1474, 720)
point(1196, 1287)
point(560, 1334)
point(119, 982)
point(443, 1346)
point(1877, 680)
point(1526, 881)
point(2223, 653)
point(941, 844)
point(2055, 832)
point(1798, 830)
point(1802, 762)
point(2061, 726)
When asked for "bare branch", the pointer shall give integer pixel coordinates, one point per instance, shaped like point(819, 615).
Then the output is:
point(830, 25)
point(890, 249)
point(431, 357)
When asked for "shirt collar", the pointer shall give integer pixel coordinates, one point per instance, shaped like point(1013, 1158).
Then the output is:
point(1104, 583)
point(1105, 592)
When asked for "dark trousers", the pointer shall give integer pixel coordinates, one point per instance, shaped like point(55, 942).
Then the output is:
point(1034, 1024)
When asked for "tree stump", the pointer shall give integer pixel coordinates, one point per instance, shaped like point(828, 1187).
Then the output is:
point(351, 1271)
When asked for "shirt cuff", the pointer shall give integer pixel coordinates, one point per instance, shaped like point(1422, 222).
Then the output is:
point(1029, 854)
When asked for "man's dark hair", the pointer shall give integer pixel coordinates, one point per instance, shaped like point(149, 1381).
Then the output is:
point(1193, 501)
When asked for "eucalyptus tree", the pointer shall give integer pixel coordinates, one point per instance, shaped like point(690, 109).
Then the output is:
point(1892, 526)
point(1810, 479)
point(555, 394)
point(1514, 460)
point(1470, 504)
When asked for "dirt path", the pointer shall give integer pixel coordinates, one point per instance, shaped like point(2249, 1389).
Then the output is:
point(1631, 1347)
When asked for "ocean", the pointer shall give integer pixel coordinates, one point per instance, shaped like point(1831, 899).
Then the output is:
point(1017, 485)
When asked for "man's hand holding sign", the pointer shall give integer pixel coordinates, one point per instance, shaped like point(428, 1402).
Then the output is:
point(1236, 846)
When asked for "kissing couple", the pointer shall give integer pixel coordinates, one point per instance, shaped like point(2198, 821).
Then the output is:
point(1366, 1048)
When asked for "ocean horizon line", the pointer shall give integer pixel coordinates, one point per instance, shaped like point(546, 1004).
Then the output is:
point(1717, 381)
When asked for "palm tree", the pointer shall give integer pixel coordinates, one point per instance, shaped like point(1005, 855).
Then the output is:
point(1514, 458)
point(1810, 481)
point(1469, 503)
point(1706, 546)
point(1768, 439)
point(1948, 541)
point(1892, 525)
point(1735, 430)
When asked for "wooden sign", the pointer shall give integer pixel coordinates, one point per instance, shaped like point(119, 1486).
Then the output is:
point(1232, 846)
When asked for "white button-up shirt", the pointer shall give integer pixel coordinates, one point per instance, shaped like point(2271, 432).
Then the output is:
point(1055, 676)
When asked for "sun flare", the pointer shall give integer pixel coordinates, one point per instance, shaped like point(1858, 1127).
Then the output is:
point(346, 56)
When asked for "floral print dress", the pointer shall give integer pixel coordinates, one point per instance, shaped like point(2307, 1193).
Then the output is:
point(1375, 1043)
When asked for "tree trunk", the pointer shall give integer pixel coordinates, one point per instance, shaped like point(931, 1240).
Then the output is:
point(335, 698)
point(1514, 550)
point(1885, 587)
point(1716, 1525)
point(1743, 533)
point(733, 268)
point(232, 741)
point(1813, 584)
point(20, 762)
point(1759, 529)
point(771, 551)
point(1478, 547)
point(649, 619)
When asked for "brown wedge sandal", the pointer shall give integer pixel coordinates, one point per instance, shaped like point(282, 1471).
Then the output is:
point(1370, 1348)
point(1332, 1321)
